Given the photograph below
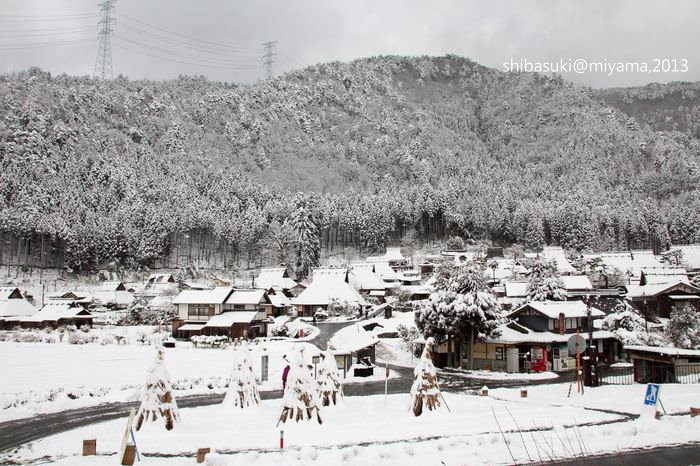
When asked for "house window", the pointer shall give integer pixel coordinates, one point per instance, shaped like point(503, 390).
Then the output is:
point(551, 324)
point(499, 353)
point(199, 312)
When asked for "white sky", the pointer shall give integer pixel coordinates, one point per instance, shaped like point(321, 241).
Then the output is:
point(313, 31)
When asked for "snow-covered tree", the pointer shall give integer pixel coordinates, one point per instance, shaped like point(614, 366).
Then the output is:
point(306, 243)
point(545, 284)
point(461, 305)
point(683, 329)
point(455, 243)
point(425, 390)
point(630, 328)
point(300, 401)
point(329, 384)
point(157, 399)
point(243, 386)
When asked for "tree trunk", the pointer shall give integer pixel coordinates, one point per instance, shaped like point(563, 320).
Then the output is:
point(470, 346)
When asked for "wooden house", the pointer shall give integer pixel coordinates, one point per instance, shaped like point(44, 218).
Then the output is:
point(328, 287)
point(13, 306)
point(659, 300)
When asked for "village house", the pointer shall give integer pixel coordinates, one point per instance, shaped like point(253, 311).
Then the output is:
point(363, 278)
point(500, 269)
point(629, 263)
point(654, 364)
point(690, 258)
point(113, 295)
point(13, 306)
point(236, 313)
point(537, 337)
point(329, 287)
point(660, 299)
point(558, 256)
point(56, 314)
point(458, 257)
point(394, 258)
point(275, 277)
point(661, 275)
point(359, 344)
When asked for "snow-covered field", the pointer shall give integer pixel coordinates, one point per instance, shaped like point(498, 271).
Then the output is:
point(33, 372)
point(363, 430)
point(490, 375)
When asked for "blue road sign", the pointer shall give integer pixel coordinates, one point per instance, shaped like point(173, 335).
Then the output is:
point(652, 395)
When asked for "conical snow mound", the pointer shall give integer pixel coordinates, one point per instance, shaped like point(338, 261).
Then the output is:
point(300, 401)
point(158, 400)
point(243, 386)
point(425, 390)
point(329, 385)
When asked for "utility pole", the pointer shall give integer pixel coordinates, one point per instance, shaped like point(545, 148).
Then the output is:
point(103, 62)
point(269, 57)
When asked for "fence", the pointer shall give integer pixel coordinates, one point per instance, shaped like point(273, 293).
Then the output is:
point(646, 372)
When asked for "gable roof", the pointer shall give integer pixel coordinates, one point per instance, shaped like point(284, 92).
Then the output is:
point(228, 318)
point(274, 277)
point(557, 254)
point(112, 286)
point(10, 292)
point(630, 262)
point(352, 338)
point(576, 282)
point(247, 296)
point(659, 275)
point(53, 311)
point(651, 291)
point(385, 272)
point(552, 309)
point(214, 296)
point(15, 307)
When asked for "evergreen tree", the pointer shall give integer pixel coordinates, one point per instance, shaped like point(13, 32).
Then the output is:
point(683, 329)
point(425, 390)
point(300, 400)
point(243, 386)
point(329, 384)
point(306, 243)
point(461, 305)
point(545, 284)
point(158, 400)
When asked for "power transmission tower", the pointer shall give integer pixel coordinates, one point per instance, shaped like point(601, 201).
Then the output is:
point(269, 57)
point(103, 63)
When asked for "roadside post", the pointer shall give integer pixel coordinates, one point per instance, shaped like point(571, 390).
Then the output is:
point(264, 368)
point(386, 382)
point(316, 360)
point(651, 398)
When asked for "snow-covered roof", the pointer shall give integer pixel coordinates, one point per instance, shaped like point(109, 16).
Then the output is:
point(279, 300)
point(576, 282)
point(362, 277)
point(659, 275)
point(664, 350)
point(392, 254)
point(190, 326)
point(7, 291)
point(637, 291)
point(691, 255)
point(274, 277)
point(111, 286)
point(552, 309)
point(557, 254)
point(160, 278)
point(459, 257)
point(227, 319)
point(514, 333)
point(15, 308)
point(384, 270)
point(329, 285)
point(215, 296)
point(53, 311)
point(630, 262)
point(516, 289)
point(117, 297)
point(352, 338)
point(246, 297)
point(505, 268)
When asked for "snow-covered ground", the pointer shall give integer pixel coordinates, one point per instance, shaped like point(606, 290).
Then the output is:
point(501, 429)
point(42, 377)
point(490, 375)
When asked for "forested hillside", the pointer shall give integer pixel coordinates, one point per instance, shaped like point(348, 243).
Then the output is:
point(358, 153)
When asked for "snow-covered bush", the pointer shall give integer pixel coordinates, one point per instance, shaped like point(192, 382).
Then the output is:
point(77, 338)
point(107, 339)
point(683, 329)
point(408, 335)
point(209, 340)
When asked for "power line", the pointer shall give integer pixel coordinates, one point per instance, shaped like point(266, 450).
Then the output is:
point(269, 57)
point(191, 39)
point(183, 62)
point(103, 62)
point(42, 34)
point(39, 19)
point(43, 45)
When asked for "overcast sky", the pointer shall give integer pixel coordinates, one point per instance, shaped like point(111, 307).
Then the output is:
point(158, 39)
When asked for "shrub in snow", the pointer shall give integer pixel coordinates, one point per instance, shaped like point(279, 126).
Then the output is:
point(157, 400)
point(684, 328)
point(425, 390)
point(300, 401)
point(630, 328)
point(243, 387)
point(545, 284)
point(329, 385)
point(209, 340)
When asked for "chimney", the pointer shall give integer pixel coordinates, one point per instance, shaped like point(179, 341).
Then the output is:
point(562, 324)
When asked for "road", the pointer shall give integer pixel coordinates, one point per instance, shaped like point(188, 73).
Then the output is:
point(664, 456)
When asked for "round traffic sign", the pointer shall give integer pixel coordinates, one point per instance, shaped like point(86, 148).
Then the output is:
point(572, 344)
